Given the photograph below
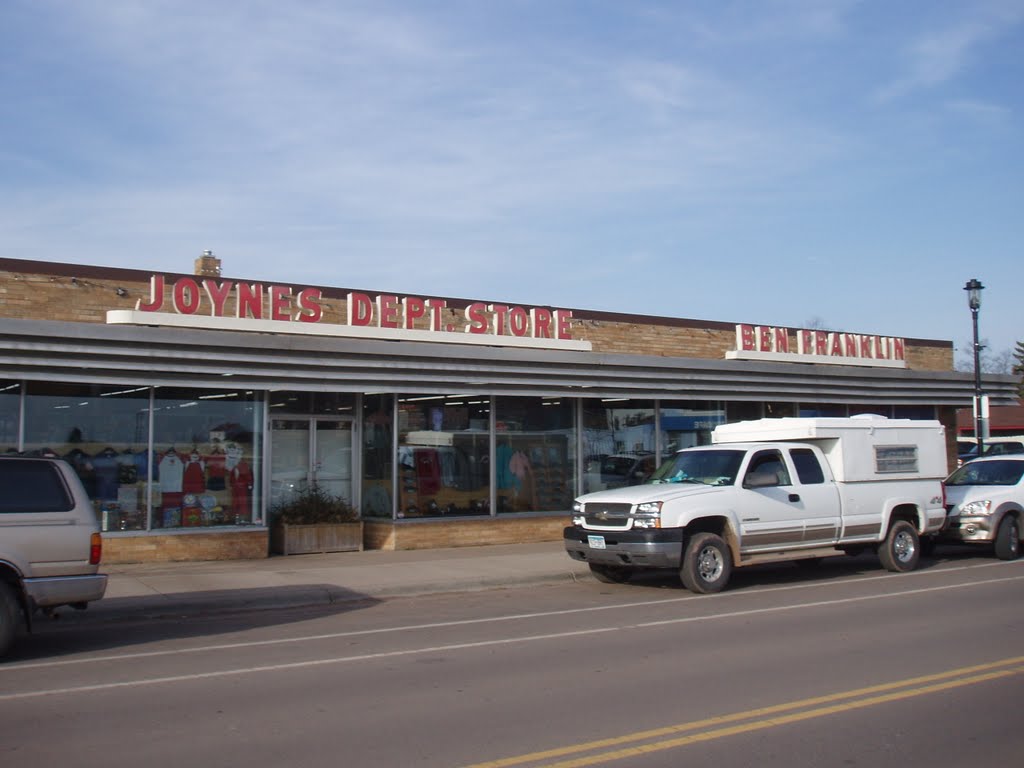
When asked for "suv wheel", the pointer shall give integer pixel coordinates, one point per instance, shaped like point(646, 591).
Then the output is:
point(11, 618)
point(1008, 539)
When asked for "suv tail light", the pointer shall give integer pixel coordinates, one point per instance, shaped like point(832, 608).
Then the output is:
point(95, 549)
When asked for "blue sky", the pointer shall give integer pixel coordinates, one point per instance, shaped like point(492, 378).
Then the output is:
point(843, 164)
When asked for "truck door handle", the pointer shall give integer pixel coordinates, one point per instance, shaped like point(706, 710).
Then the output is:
point(794, 497)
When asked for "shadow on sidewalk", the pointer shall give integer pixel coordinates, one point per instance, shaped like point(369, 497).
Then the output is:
point(120, 623)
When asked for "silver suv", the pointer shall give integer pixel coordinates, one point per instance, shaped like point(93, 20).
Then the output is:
point(50, 543)
point(985, 504)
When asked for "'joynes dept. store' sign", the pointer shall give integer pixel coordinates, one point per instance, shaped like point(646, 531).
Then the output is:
point(204, 303)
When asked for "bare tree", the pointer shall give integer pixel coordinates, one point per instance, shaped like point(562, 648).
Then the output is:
point(991, 362)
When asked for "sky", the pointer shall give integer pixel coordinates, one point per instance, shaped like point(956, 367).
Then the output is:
point(834, 164)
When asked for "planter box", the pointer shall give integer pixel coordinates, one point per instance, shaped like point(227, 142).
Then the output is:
point(321, 537)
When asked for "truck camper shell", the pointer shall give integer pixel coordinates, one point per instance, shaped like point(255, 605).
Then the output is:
point(859, 448)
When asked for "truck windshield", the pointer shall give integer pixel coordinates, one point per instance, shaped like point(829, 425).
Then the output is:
point(710, 467)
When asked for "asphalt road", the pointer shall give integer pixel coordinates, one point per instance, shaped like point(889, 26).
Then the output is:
point(844, 666)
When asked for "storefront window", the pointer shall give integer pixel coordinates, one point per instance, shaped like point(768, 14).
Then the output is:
point(619, 443)
point(535, 458)
point(207, 455)
point(814, 409)
point(878, 410)
point(686, 424)
point(743, 411)
point(103, 432)
point(779, 410)
point(444, 455)
point(378, 455)
point(913, 412)
point(319, 403)
point(10, 407)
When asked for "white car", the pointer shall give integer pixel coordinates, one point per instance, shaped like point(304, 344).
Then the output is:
point(985, 504)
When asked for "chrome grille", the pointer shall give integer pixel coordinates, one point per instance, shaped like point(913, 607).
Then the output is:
point(598, 513)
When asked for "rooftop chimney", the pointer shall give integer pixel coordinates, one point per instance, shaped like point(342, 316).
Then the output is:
point(208, 265)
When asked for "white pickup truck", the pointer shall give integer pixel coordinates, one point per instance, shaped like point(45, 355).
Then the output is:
point(771, 489)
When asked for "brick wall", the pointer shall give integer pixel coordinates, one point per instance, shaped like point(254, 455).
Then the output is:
point(84, 294)
point(160, 548)
point(434, 534)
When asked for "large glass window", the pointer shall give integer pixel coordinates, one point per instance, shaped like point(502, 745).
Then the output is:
point(444, 455)
point(535, 456)
point(10, 407)
point(103, 432)
point(913, 412)
point(207, 455)
point(822, 409)
point(619, 443)
point(378, 455)
point(686, 424)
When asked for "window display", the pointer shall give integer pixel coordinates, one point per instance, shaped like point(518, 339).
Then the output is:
point(103, 432)
point(378, 455)
point(535, 454)
point(686, 424)
point(206, 458)
point(618, 443)
point(444, 455)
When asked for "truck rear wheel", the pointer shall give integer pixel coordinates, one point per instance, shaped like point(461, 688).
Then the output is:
point(707, 564)
point(901, 550)
point(611, 574)
point(1008, 539)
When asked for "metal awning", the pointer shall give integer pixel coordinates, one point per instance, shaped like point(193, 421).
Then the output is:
point(95, 353)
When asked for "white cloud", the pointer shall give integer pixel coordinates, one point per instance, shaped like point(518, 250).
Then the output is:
point(946, 52)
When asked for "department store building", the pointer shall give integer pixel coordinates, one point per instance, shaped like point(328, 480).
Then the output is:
point(193, 404)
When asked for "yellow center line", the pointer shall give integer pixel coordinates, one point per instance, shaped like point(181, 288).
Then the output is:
point(771, 716)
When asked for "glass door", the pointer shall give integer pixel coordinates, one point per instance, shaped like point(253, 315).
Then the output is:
point(332, 457)
point(307, 451)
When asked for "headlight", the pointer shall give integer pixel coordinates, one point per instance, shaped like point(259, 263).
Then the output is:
point(647, 515)
point(577, 514)
point(977, 508)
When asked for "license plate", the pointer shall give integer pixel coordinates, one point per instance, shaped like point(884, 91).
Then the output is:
point(596, 542)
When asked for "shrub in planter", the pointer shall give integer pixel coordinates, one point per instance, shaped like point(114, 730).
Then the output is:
point(315, 521)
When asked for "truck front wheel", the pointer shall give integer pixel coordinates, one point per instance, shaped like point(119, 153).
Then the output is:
point(901, 550)
point(707, 564)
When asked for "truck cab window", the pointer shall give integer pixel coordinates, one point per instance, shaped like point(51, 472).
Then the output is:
point(808, 469)
point(766, 469)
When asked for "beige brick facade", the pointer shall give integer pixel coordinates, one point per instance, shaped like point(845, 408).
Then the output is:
point(434, 534)
point(85, 294)
point(170, 547)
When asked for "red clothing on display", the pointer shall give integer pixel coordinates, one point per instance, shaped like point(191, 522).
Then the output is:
point(240, 480)
point(194, 480)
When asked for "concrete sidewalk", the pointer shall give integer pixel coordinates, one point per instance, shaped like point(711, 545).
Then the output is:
point(150, 589)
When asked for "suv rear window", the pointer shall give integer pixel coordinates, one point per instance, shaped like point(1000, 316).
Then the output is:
point(32, 486)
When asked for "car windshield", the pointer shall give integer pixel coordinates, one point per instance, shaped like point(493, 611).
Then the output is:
point(987, 473)
point(710, 467)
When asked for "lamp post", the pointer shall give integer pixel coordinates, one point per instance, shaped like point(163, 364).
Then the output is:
point(974, 289)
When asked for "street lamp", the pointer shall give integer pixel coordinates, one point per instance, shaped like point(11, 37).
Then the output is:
point(974, 289)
